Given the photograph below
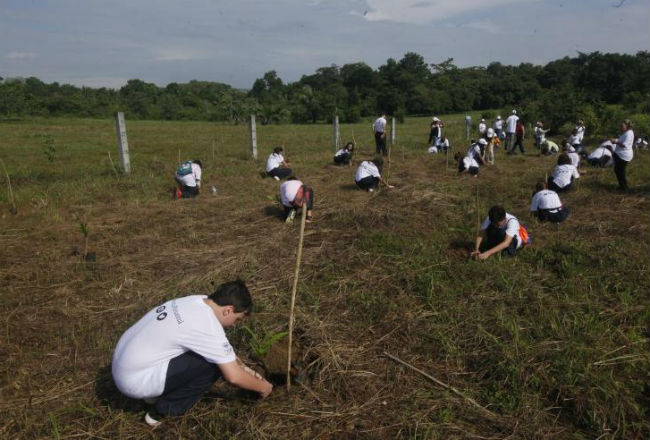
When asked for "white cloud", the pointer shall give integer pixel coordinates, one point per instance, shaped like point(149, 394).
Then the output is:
point(428, 11)
point(20, 56)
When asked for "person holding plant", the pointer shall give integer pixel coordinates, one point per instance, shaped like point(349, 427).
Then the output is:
point(176, 351)
point(546, 205)
point(293, 195)
point(368, 175)
point(500, 232)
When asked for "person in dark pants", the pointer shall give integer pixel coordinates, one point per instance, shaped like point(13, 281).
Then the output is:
point(520, 131)
point(500, 232)
point(561, 179)
point(175, 352)
point(379, 127)
point(623, 153)
point(368, 175)
point(344, 155)
point(188, 178)
point(546, 205)
point(276, 166)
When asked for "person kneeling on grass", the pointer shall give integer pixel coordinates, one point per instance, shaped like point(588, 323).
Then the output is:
point(368, 175)
point(466, 163)
point(276, 166)
point(293, 194)
point(175, 352)
point(188, 178)
point(563, 175)
point(344, 155)
point(500, 232)
point(546, 205)
point(602, 156)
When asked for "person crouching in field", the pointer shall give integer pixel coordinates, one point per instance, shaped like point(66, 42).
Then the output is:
point(344, 155)
point(563, 175)
point(276, 166)
point(546, 205)
point(188, 178)
point(175, 352)
point(466, 163)
point(549, 147)
point(293, 195)
point(601, 156)
point(368, 175)
point(500, 232)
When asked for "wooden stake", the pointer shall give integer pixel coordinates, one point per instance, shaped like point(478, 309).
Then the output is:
point(388, 171)
point(179, 156)
point(478, 214)
point(13, 208)
point(303, 217)
point(213, 151)
point(442, 384)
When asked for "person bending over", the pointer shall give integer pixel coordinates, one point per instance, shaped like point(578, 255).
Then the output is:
point(602, 156)
point(368, 175)
point(499, 233)
point(563, 175)
point(276, 166)
point(188, 178)
point(344, 155)
point(546, 205)
point(175, 352)
point(293, 195)
point(466, 163)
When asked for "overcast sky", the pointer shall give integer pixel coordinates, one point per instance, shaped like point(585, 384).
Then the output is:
point(106, 42)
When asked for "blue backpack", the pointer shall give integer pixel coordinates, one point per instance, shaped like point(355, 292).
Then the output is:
point(185, 168)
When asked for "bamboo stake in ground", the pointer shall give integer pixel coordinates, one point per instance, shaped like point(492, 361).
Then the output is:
point(179, 156)
point(294, 289)
point(442, 384)
point(388, 171)
point(110, 159)
point(13, 208)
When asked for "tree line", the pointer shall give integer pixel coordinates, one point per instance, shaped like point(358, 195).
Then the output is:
point(586, 85)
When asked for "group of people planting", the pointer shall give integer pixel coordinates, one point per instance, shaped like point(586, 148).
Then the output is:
point(176, 351)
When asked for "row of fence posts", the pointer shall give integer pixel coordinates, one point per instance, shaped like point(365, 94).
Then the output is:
point(123, 143)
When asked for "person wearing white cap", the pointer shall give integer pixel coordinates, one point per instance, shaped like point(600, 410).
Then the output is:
point(498, 127)
point(511, 127)
point(482, 128)
point(435, 134)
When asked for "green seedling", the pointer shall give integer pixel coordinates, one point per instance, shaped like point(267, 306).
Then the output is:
point(49, 148)
point(261, 345)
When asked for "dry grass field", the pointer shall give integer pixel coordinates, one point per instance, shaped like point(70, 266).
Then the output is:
point(552, 343)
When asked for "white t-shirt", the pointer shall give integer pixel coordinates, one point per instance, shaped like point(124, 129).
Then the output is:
point(581, 133)
point(143, 352)
point(545, 199)
point(575, 158)
point(274, 161)
point(498, 124)
point(192, 179)
point(288, 191)
point(562, 174)
point(366, 169)
point(474, 151)
point(601, 151)
point(469, 161)
point(511, 123)
point(552, 146)
point(574, 139)
point(380, 125)
point(511, 227)
point(482, 128)
point(624, 146)
point(341, 152)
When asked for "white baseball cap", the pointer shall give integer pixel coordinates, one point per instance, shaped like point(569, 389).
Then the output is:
point(482, 141)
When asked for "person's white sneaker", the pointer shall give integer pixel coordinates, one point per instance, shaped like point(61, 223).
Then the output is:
point(276, 178)
point(370, 190)
point(151, 421)
point(290, 216)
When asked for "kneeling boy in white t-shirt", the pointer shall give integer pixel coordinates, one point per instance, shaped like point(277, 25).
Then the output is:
point(500, 231)
point(179, 349)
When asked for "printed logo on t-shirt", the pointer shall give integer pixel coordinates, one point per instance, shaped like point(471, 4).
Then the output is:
point(161, 313)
